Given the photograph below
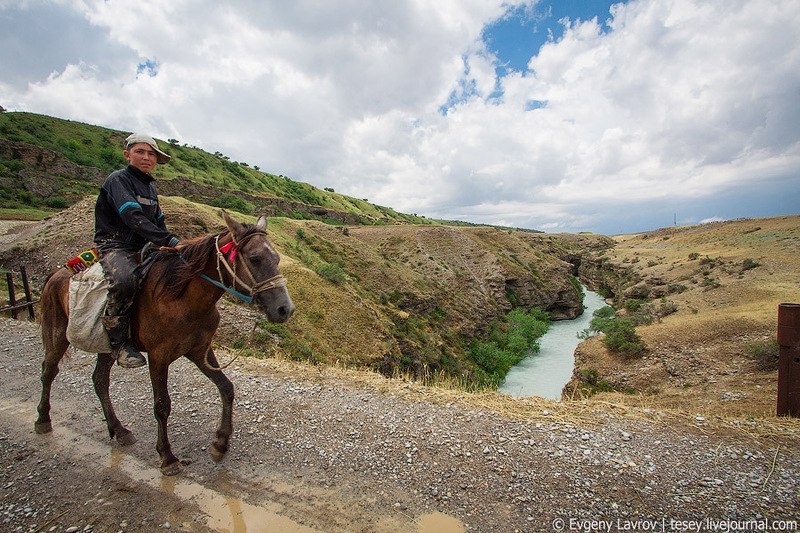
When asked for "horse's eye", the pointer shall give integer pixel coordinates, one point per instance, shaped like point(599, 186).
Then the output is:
point(254, 260)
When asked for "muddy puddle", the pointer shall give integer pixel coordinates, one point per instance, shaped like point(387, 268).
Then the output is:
point(228, 514)
point(224, 513)
point(221, 512)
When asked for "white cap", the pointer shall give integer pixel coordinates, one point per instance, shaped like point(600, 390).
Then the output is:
point(136, 138)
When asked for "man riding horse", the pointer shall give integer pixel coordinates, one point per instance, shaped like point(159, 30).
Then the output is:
point(127, 216)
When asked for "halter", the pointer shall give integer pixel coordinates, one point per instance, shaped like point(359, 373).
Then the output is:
point(257, 287)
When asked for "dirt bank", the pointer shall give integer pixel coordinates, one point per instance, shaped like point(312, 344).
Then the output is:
point(330, 450)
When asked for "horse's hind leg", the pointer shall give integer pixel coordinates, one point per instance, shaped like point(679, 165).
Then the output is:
point(54, 339)
point(54, 318)
point(101, 379)
point(219, 447)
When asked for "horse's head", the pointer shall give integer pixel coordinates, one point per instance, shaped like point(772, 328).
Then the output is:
point(255, 263)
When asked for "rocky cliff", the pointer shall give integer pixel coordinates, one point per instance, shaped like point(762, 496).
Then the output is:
point(43, 173)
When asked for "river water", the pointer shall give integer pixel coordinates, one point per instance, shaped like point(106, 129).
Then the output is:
point(545, 373)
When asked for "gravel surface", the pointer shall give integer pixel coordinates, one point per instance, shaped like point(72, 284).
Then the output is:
point(329, 450)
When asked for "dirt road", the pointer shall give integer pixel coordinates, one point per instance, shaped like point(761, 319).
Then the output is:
point(315, 450)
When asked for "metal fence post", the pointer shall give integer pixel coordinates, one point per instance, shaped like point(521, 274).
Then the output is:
point(789, 360)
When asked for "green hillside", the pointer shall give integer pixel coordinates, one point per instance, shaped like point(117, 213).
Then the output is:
point(234, 185)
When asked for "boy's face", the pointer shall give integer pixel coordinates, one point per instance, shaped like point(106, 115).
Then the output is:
point(141, 156)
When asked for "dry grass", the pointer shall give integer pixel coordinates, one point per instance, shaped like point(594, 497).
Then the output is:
point(698, 358)
point(593, 413)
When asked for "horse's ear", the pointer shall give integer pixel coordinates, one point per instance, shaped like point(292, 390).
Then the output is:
point(261, 225)
point(233, 226)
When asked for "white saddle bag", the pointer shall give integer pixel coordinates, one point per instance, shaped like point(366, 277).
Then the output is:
point(88, 291)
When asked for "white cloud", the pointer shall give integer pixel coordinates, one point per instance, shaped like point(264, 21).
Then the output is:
point(676, 102)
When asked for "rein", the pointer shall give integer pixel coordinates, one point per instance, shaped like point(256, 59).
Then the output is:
point(274, 282)
point(257, 287)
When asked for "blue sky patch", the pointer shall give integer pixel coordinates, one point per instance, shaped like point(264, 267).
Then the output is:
point(517, 36)
point(148, 67)
point(530, 105)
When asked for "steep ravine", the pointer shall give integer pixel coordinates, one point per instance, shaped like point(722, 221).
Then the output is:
point(408, 299)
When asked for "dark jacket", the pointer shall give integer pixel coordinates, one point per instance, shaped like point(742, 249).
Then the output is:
point(127, 214)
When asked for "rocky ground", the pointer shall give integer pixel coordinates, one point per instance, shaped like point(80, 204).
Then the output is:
point(330, 450)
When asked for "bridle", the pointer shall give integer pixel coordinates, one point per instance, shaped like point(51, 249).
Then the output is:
point(254, 289)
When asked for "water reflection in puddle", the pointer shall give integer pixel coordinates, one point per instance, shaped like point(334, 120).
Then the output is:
point(224, 513)
point(439, 523)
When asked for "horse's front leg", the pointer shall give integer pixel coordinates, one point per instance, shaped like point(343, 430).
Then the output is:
point(101, 379)
point(162, 406)
point(206, 363)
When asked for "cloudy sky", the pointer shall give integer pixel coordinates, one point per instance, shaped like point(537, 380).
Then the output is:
point(559, 115)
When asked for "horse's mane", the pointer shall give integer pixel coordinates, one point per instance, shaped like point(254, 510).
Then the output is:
point(174, 271)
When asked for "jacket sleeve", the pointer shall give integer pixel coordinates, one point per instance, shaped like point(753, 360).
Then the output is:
point(132, 214)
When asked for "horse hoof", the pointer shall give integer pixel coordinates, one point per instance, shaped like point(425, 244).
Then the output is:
point(215, 453)
point(171, 469)
point(43, 427)
point(126, 439)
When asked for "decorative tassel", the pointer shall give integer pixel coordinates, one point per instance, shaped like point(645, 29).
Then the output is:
point(229, 248)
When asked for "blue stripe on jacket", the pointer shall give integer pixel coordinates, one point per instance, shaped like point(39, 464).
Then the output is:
point(126, 205)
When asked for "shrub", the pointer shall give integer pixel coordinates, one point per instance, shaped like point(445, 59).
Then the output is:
point(633, 304)
point(591, 377)
point(765, 354)
point(234, 203)
point(748, 264)
point(601, 318)
point(331, 272)
point(509, 341)
point(57, 202)
point(620, 335)
point(621, 338)
point(649, 312)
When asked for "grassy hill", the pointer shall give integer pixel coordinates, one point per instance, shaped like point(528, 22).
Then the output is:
point(376, 289)
point(76, 156)
point(400, 299)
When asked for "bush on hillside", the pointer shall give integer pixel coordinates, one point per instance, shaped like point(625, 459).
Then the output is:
point(234, 203)
point(621, 338)
point(331, 272)
point(510, 340)
point(620, 334)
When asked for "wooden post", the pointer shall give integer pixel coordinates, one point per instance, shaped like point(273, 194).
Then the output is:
point(12, 301)
point(789, 360)
point(27, 289)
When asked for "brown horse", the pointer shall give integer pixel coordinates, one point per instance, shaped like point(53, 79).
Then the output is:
point(175, 315)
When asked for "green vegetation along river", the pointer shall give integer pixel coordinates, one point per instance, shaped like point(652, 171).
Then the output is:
point(545, 373)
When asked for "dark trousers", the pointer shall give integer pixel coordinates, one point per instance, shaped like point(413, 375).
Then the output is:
point(119, 265)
